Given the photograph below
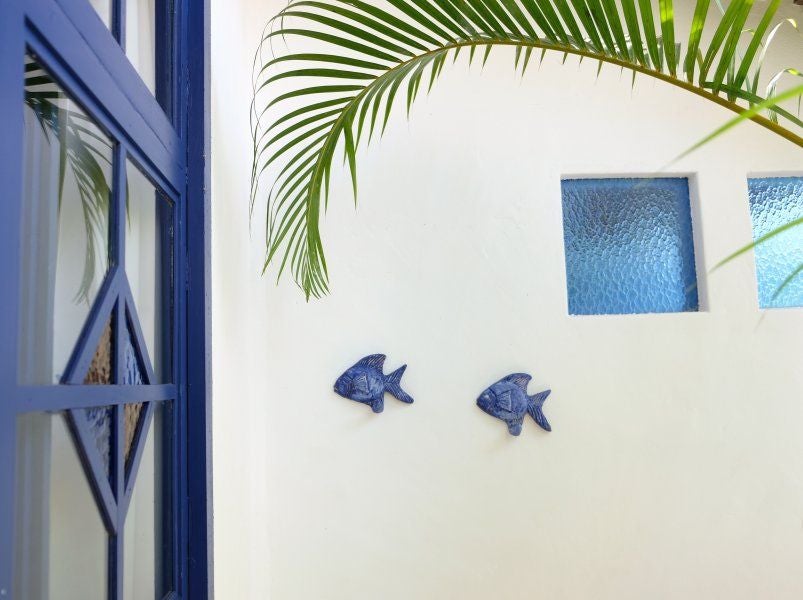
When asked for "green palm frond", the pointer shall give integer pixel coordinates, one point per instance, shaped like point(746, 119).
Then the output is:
point(765, 105)
point(84, 153)
point(311, 108)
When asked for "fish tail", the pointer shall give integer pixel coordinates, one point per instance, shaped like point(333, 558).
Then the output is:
point(393, 385)
point(536, 412)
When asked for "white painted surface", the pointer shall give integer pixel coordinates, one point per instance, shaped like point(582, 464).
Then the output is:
point(675, 468)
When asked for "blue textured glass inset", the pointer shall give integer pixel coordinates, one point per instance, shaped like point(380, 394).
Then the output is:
point(132, 375)
point(100, 426)
point(99, 419)
point(776, 201)
point(629, 246)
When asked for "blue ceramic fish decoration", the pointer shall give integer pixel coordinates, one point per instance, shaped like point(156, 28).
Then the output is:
point(507, 400)
point(365, 383)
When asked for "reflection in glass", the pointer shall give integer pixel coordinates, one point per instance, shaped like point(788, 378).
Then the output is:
point(61, 546)
point(776, 201)
point(65, 225)
point(140, 39)
point(629, 246)
point(149, 266)
point(147, 537)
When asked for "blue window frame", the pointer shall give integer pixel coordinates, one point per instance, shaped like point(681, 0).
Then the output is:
point(133, 392)
point(629, 246)
point(774, 202)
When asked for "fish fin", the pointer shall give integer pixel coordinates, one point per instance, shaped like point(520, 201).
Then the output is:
point(378, 405)
point(514, 427)
point(374, 360)
point(536, 412)
point(361, 383)
point(504, 401)
point(520, 379)
point(393, 385)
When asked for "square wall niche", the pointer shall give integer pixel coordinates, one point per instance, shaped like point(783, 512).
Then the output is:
point(776, 201)
point(629, 246)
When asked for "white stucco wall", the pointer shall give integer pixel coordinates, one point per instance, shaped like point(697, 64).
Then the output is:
point(675, 468)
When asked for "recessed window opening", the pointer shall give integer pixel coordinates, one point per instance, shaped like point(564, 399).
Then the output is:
point(774, 202)
point(629, 246)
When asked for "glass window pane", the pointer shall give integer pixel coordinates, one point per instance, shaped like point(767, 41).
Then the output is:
point(776, 201)
point(62, 543)
point(140, 39)
point(148, 45)
point(149, 266)
point(100, 373)
point(65, 225)
point(99, 420)
point(132, 375)
point(133, 411)
point(148, 541)
point(100, 369)
point(132, 369)
point(629, 246)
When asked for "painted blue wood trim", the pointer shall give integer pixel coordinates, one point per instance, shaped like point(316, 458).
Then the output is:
point(198, 304)
point(167, 276)
point(167, 55)
point(112, 46)
point(87, 342)
point(11, 143)
point(117, 563)
point(119, 24)
point(92, 74)
point(80, 54)
point(116, 554)
point(118, 21)
point(135, 331)
point(173, 506)
point(126, 78)
point(117, 542)
point(12, 48)
point(65, 397)
point(141, 436)
point(117, 225)
point(95, 471)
